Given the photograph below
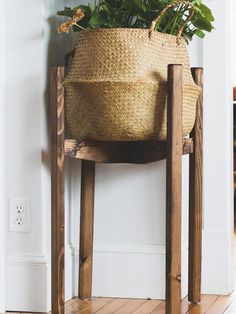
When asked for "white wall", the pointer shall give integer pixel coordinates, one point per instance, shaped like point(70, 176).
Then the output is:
point(24, 102)
point(218, 155)
point(233, 39)
point(130, 199)
point(29, 52)
point(2, 162)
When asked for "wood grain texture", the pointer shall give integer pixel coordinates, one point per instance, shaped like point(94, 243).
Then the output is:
point(161, 309)
point(173, 189)
point(210, 304)
point(195, 198)
point(207, 302)
point(57, 186)
point(185, 307)
point(113, 306)
point(221, 304)
point(131, 306)
point(148, 307)
point(86, 229)
point(95, 305)
point(121, 152)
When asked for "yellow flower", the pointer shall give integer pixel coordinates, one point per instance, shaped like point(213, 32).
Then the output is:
point(79, 15)
point(65, 26)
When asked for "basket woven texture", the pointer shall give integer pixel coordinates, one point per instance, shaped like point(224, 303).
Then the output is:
point(116, 86)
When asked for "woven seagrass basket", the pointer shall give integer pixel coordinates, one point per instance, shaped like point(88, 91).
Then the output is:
point(116, 86)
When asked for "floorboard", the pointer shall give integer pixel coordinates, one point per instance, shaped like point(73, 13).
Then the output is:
point(210, 304)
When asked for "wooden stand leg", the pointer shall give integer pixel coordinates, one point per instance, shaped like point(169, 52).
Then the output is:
point(174, 190)
point(195, 199)
point(57, 186)
point(86, 229)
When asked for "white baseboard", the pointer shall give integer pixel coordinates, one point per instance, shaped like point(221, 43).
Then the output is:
point(131, 271)
point(2, 272)
point(26, 283)
point(217, 263)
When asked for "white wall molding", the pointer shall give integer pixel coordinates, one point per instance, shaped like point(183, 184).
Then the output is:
point(27, 259)
point(218, 154)
point(131, 271)
point(217, 274)
point(124, 249)
point(26, 282)
point(28, 278)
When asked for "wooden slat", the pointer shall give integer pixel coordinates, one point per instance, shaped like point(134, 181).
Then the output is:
point(195, 199)
point(95, 305)
point(86, 228)
point(148, 307)
point(206, 303)
point(121, 152)
point(113, 306)
point(174, 189)
point(130, 307)
point(76, 305)
point(186, 306)
point(161, 309)
point(57, 183)
point(222, 304)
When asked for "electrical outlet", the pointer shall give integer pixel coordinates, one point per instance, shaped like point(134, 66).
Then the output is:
point(19, 218)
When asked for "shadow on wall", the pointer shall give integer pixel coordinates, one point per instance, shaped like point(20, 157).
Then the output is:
point(55, 47)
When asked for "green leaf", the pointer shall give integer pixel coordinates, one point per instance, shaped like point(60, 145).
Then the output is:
point(106, 8)
point(199, 33)
point(206, 12)
point(139, 5)
point(67, 12)
point(203, 24)
point(112, 24)
point(134, 5)
point(97, 20)
point(198, 2)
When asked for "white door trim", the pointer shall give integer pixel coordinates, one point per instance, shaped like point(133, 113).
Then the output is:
point(2, 161)
point(218, 155)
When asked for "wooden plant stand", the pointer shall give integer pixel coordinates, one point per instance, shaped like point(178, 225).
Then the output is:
point(91, 152)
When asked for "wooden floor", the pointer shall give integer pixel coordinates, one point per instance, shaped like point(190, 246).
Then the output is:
point(209, 305)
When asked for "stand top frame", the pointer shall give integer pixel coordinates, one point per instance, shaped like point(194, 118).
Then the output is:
point(122, 152)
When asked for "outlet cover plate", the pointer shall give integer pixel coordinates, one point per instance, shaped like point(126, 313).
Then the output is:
point(19, 214)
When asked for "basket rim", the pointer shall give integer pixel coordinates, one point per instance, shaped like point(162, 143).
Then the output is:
point(125, 29)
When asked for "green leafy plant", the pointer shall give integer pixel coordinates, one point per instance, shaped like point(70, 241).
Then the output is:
point(140, 14)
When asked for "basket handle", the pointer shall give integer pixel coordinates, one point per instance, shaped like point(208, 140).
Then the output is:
point(166, 8)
